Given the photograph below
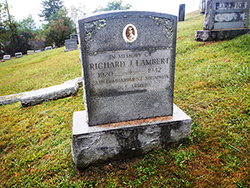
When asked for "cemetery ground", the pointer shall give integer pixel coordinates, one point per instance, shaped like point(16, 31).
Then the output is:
point(212, 86)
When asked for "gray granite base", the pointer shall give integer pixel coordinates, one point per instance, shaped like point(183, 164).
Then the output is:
point(216, 35)
point(98, 144)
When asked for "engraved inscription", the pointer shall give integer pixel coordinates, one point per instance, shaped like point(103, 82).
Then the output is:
point(229, 14)
point(129, 71)
point(229, 17)
point(231, 5)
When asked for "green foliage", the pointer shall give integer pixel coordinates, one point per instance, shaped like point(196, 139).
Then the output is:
point(27, 25)
point(9, 32)
point(49, 8)
point(3, 22)
point(59, 28)
point(114, 5)
point(211, 85)
point(182, 156)
point(15, 37)
point(3, 31)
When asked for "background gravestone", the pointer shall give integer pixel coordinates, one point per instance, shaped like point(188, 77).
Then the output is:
point(224, 20)
point(48, 48)
point(18, 54)
point(182, 12)
point(29, 52)
point(53, 45)
point(70, 44)
point(74, 36)
point(6, 57)
point(202, 6)
point(128, 61)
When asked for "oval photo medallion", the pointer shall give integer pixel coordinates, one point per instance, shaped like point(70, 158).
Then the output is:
point(129, 33)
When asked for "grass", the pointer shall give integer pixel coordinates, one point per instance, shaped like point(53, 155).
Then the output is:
point(212, 85)
point(38, 70)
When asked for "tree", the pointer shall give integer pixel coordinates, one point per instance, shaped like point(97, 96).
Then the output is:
point(115, 5)
point(4, 35)
point(26, 32)
point(14, 36)
point(49, 8)
point(59, 28)
point(27, 24)
point(9, 42)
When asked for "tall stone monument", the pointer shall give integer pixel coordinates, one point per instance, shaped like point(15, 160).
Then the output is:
point(182, 13)
point(202, 6)
point(128, 61)
point(224, 19)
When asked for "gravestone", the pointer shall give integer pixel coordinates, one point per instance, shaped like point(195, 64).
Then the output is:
point(54, 45)
point(6, 57)
point(74, 36)
point(182, 13)
point(18, 54)
point(48, 48)
point(37, 51)
point(128, 61)
point(203, 6)
point(70, 44)
point(224, 19)
point(29, 52)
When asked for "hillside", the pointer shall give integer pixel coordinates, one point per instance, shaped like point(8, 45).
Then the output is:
point(212, 85)
point(38, 70)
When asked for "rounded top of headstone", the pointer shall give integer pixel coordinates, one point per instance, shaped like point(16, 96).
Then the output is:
point(124, 14)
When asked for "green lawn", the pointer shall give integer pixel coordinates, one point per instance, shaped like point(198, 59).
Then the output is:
point(212, 85)
point(38, 70)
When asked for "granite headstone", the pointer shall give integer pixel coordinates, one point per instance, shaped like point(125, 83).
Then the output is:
point(18, 54)
point(128, 61)
point(70, 44)
point(29, 52)
point(6, 57)
point(224, 19)
point(128, 66)
point(202, 6)
point(48, 48)
point(73, 36)
point(182, 13)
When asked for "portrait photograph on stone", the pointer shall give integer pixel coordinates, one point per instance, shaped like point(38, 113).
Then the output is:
point(130, 33)
point(124, 93)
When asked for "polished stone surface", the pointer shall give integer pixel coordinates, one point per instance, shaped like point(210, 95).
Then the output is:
point(128, 61)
